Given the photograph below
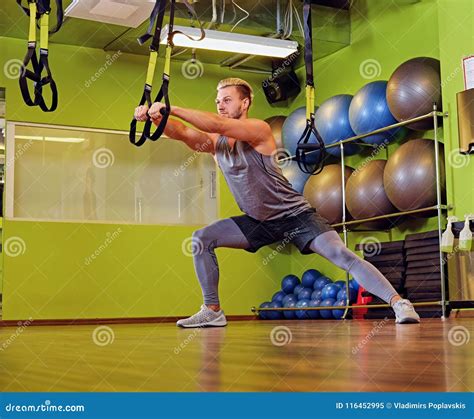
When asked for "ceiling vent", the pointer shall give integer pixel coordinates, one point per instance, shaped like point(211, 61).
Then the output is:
point(131, 13)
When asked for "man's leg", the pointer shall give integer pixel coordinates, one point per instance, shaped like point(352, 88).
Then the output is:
point(330, 246)
point(222, 233)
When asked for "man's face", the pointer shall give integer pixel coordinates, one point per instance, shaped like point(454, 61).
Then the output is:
point(229, 104)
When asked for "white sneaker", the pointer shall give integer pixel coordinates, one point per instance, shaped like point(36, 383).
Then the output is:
point(404, 312)
point(204, 318)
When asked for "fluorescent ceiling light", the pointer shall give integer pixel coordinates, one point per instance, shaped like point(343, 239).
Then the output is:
point(51, 139)
point(231, 42)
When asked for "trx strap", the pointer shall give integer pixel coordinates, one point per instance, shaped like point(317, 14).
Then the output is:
point(156, 18)
point(39, 10)
point(304, 147)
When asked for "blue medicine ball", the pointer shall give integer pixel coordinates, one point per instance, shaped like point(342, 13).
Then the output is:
point(278, 296)
point(288, 283)
point(341, 284)
point(341, 295)
point(297, 289)
point(320, 283)
point(369, 111)
point(302, 314)
point(316, 295)
point(314, 314)
point(328, 302)
point(354, 284)
point(337, 314)
point(305, 294)
point(274, 315)
point(308, 278)
point(291, 132)
point(263, 314)
point(330, 291)
point(290, 314)
point(332, 122)
point(289, 297)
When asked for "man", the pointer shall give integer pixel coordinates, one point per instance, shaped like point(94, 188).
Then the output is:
point(243, 147)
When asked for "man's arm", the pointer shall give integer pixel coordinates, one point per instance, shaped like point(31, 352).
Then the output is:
point(249, 130)
point(194, 139)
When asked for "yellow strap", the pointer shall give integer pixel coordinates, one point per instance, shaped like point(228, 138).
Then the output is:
point(44, 31)
point(309, 101)
point(32, 28)
point(169, 49)
point(151, 67)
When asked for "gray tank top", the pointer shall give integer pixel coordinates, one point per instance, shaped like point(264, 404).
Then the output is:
point(257, 183)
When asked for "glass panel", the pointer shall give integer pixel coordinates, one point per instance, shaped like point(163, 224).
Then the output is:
point(68, 174)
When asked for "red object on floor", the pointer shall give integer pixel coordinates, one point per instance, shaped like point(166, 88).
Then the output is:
point(358, 313)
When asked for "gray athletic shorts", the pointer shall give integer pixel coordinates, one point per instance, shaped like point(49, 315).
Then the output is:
point(300, 230)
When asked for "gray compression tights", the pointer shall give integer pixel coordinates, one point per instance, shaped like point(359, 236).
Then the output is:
point(226, 233)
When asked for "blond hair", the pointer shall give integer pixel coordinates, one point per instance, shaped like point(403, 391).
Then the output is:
point(242, 86)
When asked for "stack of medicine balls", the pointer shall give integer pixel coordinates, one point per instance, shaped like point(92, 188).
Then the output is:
point(314, 290)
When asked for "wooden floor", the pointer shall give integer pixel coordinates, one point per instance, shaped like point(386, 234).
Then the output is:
point(245, 356)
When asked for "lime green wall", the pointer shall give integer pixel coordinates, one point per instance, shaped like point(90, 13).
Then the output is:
point(456, 41)
point(144, 272)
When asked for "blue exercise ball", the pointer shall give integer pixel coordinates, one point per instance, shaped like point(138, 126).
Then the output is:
point(328, 302)
point(297, 290)
point(295, 176)
point(302, 314)
point(289, 297)
point(330, 291)
point(309, 277)
point(293, 129)
point(288, 283)
point(316, 295)
point(263, 314)
point(341, 284)
point(332, 122)
point(342, 294)
point(320, 283)
point(354, 284)
point(274, 315)
point(278, 296)
point(337, 314)
point(290, 314)
point(369, 111)
point(314, 314)
point(305, 294)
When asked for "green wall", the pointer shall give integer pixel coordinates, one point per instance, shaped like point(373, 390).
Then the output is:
point(144, 272)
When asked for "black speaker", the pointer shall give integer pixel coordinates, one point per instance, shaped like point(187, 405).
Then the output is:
point(281, 87)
